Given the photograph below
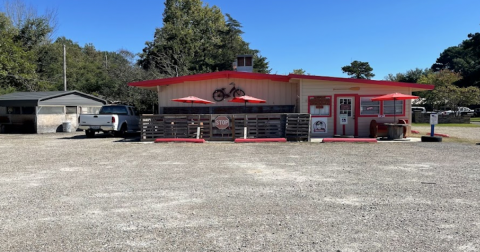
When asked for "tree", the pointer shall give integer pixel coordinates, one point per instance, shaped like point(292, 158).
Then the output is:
point(298, 71)
point(17, 67)
point(196, 39)
point(463, 59)
point(411, 76)
point(359, 70)
point(446, 93)
point(20, 14)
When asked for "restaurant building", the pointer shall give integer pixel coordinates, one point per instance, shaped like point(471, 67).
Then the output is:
point(338, 106)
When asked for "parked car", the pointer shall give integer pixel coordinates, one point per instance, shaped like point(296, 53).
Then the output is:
point(477, 112)
point(116, 119)
point(459, 111)
point(446, 112)
point(421, 109)
point(465, 111)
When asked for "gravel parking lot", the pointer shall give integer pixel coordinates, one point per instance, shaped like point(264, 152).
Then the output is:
point(63, 192)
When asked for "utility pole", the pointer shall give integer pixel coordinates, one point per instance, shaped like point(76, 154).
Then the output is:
point(64, 68)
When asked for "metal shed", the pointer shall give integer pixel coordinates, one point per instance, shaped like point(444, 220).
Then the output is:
point(45, 112)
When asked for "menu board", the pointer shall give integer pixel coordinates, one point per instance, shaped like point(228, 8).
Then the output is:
point(320, 101)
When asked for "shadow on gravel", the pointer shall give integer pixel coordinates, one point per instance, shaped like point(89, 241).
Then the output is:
point(129, 137)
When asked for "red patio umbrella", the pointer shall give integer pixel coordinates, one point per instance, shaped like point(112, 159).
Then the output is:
point(394, 97)
point(246, 99)
point(192, 100)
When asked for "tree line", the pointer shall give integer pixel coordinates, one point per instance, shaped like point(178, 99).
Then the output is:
point(455, 75)
point(194, 38)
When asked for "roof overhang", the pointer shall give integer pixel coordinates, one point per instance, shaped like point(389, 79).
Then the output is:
point(33, 99)
point(209, 76)
point(414, 86)
point(152, 84)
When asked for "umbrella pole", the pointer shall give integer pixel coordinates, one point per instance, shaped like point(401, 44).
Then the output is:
point(394, 111)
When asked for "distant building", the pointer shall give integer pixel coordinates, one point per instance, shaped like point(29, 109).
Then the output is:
point(45, 112)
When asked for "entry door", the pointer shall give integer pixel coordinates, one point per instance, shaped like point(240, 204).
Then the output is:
point(346, 108)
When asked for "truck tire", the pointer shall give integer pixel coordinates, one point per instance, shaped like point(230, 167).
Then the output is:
point(431, 139)
point(89, 133)
point(122, 131)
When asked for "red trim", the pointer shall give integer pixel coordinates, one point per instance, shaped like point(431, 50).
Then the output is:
point(437, 134)
point(210, 76)
point(363, 81)
point(357, 112)
point(259, 140)
point(350, 140)
point(331, 104)
point(274, 77)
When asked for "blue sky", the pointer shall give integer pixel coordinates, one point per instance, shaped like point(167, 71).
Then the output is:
point(318, 36)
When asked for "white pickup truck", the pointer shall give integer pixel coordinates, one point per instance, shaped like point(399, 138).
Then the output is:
point(116, 119)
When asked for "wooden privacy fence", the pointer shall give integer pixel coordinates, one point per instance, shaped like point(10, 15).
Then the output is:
point(291, 126)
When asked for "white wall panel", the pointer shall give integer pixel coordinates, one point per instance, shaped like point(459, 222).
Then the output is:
point(274, 92)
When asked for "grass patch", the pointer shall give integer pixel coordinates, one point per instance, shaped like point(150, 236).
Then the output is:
point(475, 119)
point(465, 125)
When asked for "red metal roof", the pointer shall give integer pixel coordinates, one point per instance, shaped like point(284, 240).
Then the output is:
point(274, 77)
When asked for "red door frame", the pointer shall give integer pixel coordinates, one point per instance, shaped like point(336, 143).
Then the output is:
point(357, 112)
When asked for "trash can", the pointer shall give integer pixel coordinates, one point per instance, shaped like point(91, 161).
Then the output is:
point(67, 127)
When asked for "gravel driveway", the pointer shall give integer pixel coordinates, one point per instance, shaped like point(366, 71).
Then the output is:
point(62, 192)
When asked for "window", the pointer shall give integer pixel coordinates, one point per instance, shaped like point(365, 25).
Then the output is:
point(241, 61)
point(369, 107)
point(13, 110)
point(320, 110)
point(89, 110)
point(119, 110)
point(319, 105)
point(248, 61)
point(346, 106)
point(51, 110)
point(71, 109)
point(28, 110)
point(388, 107)
point(244, 61)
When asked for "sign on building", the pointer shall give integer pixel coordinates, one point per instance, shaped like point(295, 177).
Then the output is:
point(222, 122)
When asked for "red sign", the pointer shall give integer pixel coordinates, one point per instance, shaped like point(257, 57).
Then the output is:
point(222, 122)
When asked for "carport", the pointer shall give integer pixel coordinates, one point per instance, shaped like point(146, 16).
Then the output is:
point(45, 112)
